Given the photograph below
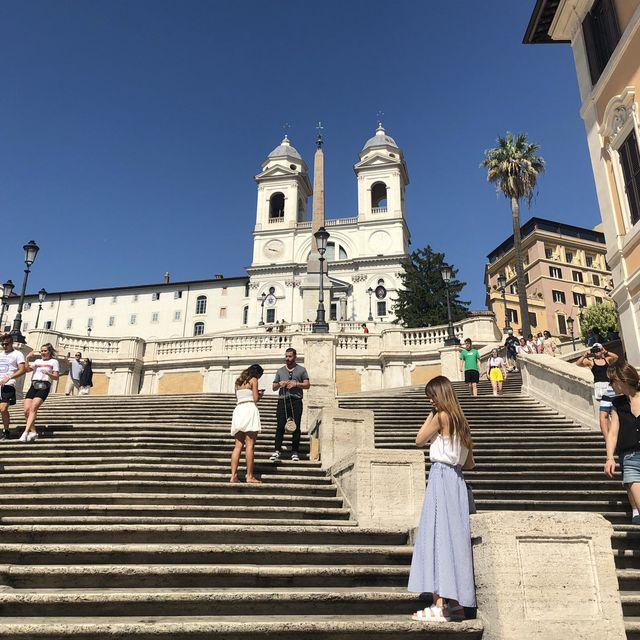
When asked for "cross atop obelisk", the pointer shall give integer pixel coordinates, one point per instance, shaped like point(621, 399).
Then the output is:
point(317, 219)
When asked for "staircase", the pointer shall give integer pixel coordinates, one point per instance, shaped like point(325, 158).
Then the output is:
point(528, 458)
point(120, 522)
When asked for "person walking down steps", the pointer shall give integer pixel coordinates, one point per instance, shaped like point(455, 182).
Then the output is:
point(442, 562)
point(245, 422)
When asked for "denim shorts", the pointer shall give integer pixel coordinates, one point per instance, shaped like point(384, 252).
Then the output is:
point(631, 467)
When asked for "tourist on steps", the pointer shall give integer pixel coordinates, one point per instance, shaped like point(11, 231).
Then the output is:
point(45, 369)
point(442, 563)
point(623, 436)
point(471, 359)
point(12, 366)
point(496, 372)
point(245, 422)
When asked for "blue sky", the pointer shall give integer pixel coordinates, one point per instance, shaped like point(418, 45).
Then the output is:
point(130, 130)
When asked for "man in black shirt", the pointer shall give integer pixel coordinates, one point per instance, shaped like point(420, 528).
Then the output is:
point(290, 381)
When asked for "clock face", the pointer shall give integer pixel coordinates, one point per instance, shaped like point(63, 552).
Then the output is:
point(274, 249)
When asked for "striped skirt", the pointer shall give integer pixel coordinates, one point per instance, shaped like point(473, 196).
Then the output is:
point(442, 559)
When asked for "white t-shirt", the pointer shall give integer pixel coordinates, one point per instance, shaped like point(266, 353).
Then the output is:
point(9, 363)
point(42, 369)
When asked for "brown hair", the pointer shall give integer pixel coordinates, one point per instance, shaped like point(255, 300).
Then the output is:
point(624, 372)
point(254, 371)
point(441, 390)
point(52, 351)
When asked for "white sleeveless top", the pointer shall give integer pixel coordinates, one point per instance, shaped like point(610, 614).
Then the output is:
point(448, 450)
point(244, 395)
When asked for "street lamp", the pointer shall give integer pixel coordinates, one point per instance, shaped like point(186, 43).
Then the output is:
point(446, 273)
point(370, 292)
point(570, 322)
point(30, 252)
point(321, 325)
point(7, 290)
point(263, 297)
point(42, 294)
point(502, 287)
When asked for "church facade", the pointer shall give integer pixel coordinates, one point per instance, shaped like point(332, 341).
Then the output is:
point(364, 257)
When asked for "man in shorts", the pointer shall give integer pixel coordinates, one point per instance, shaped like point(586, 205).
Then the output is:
point(471, 359)
point(12, 366)
point(511, 347)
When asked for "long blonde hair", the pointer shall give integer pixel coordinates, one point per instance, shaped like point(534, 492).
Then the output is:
point(441, 390)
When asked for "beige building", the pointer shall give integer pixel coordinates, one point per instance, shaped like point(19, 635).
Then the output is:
point(565, 271)
point(605, 38)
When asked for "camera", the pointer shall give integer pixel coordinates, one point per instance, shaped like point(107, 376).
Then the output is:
point(595, 350)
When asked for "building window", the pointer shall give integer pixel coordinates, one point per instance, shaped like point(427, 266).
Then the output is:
point(379, 196)
point(562, 325)
point(114, 299)
point(569, 256)
point(177, 316)
point(69, 323)
point(112, 321)
point(276, 206)
point(224, 291)
point(630, 162)
point(513, 288)
point(595, 279)
point(246, 290)
point(26, 306)
point(598, 299)
point(90, 323)
point(533, 321)
point(223, 312)
point(271, 316)
point(589, 261)
point(579, 299)
point(512, 314)
point(245, 315)
point(155, 296)
point(333, 311)
point(201, 304)
point(381, 307)
point(577, 276)
point(133, 318)
point(558, 296)
point(91, 301)
point(198, 328)
point(601, 35)
point(555, 272)
point(25, 325)
point(548, 253)
point(48, 324)
point(177, 295)
point(155, 317)
point(135, 298)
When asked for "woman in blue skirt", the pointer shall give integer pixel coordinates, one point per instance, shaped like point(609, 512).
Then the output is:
point(442, 563)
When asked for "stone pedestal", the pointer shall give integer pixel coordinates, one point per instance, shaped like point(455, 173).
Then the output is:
point(450, 363)
point(384, 489)
point(320, 362)
point(546, 576)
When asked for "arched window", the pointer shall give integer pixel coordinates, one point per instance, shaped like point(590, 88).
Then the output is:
point(276, 205)
point(335, 252)
point(379, 196)
point(245, 315)
point(201, 304)
point(198, 328)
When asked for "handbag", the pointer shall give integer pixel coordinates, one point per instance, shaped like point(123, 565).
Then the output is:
point(40, 385)
point(472, 502)
point(290, 424)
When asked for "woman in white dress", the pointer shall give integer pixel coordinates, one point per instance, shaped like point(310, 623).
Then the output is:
point(245, 423)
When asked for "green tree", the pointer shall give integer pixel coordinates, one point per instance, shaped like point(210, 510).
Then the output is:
point(423, 301)
point(602, 316)
point(514, 167)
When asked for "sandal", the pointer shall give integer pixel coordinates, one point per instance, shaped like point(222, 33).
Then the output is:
point(430, 614)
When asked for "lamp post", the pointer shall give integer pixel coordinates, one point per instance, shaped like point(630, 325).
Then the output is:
point(42, 294)
point(370, 292)
point(502, 287)
point(446, 273)
point(30, 252)
point(7, 290)
point(263, 297)
point(321, 325)
point(570, 322)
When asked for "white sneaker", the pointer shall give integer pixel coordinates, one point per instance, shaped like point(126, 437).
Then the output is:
point(275, 457)
point(295, 457)
point(32, 436)
point(23, 437)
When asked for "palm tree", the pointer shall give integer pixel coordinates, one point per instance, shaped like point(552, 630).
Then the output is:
point(514, 167)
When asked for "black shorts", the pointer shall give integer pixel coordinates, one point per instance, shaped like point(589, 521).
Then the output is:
point(37, 393)
point(8, 394)
point(471, 376)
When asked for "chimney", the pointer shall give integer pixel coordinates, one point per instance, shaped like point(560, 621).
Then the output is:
point(167, 277)
point(218, 276)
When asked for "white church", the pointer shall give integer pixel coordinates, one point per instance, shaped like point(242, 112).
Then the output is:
point(364, 257)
